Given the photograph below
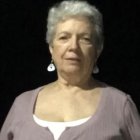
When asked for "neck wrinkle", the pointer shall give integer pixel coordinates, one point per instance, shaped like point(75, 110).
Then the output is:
point(86, 85)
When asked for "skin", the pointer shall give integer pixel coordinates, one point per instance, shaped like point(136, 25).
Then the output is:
point(73, 51)
point(74, 55)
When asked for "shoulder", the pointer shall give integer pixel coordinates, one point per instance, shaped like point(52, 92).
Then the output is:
point(114, 102)
point(115, 99)
point(115, 93)
point(112, 92)
point(27, 97)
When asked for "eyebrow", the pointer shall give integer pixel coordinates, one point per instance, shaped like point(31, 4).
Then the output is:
point(81, 34)
point(63, 32)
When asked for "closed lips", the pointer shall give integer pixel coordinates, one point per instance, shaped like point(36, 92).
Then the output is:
point(73, 58)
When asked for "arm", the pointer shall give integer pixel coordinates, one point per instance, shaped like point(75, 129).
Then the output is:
point(132, 119)
point(6, 131)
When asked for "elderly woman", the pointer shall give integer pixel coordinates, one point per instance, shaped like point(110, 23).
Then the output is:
point(75, 106)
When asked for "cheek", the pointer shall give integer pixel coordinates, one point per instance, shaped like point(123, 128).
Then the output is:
point(91, 54)
point(57, 55)
point(59, 50)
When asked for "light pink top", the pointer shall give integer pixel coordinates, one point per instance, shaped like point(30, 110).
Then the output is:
point(116, 118)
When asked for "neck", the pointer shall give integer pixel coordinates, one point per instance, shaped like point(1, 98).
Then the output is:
point(76, 84)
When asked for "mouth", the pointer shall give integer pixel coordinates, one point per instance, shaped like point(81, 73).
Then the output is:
point(73, 59)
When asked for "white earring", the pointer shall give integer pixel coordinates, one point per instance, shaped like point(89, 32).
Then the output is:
point(51, 67)
point(96, 70)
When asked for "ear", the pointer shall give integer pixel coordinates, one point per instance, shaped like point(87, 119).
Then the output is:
point(99, 51)
point(51, 49)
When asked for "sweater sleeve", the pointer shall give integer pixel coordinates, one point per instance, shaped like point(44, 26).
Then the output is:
point(7, 128)
point(132, 119)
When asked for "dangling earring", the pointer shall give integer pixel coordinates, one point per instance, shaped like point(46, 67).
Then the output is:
point(96, 70)
point(51, 67)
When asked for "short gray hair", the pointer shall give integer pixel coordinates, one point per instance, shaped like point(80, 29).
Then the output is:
point(70, 8)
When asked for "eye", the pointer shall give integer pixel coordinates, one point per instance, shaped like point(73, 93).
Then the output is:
point(63, 38)
point(86, 40)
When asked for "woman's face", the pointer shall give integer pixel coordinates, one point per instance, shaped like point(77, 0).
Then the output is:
point(72, 48)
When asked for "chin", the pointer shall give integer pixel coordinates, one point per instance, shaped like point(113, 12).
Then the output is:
point(72, 70)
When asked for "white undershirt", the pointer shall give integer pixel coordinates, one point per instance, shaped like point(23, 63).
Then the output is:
point(58, 127)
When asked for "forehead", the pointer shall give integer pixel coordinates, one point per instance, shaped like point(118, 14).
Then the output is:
point(76, 24)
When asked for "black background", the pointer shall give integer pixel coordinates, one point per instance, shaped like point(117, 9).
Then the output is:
point(24, 54)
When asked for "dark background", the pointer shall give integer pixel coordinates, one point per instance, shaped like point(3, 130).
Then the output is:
point(24, 54)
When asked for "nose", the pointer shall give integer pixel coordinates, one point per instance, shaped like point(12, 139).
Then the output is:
point(74, 43)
